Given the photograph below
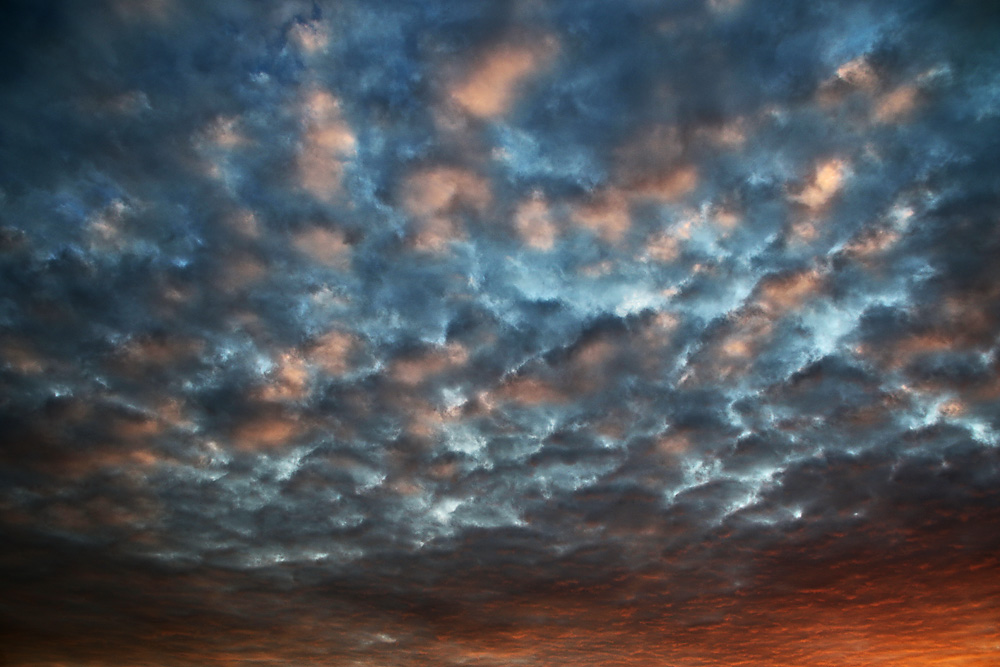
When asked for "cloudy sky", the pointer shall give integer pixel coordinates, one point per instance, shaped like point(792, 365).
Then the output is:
point(499, 332)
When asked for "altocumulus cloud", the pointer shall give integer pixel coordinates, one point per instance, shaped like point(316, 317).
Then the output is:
point(515, 332)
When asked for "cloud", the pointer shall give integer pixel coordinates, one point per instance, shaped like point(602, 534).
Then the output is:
point(516, 333)
point(489, 89)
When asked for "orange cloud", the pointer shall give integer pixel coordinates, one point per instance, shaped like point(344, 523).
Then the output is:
point(668, 186)
point(815, 198)
point(607, 215)
point(324, 246)
point(162, 352)
point(425, 421)
point(225, 133)
point(20, 356)
point(662, 247)
point(267, 431)
point(530, 391)
point(244, 223)
point(332, 352)
point(533, 221)
point(731, 135)
point(858, 73)
point(437, 198)
point(327, 144)
point(289, 381)
point(240, 272)
point(780, 294)
point(650, 165)
point(311, 37)
point(490, 88)
point(896, 104)
point(825, 184)
point(858, 76)
point(672, 445)
point(733, 352)
point(651, 149)
point(872, 242)
point(414, 370)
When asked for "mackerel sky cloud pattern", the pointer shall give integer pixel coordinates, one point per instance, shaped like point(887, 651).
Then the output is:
point(496, 333)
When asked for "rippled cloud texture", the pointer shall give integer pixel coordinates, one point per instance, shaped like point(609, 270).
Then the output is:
point(536, 332)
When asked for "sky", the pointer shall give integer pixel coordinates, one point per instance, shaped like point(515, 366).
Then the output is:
point(499, 333)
